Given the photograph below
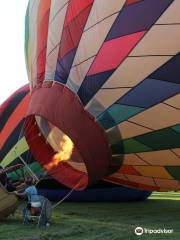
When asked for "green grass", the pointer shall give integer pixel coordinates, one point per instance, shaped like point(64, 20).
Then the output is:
point(102, 221)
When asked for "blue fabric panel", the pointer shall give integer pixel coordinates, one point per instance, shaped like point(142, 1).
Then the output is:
point(64, 66)
point(170, 71)
point(150, 92)
point(137, 17)
point(115, 194)
point(92, 84)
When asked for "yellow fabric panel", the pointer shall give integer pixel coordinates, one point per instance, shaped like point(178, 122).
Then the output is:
point(57, 16)
point(102, 9)
point(127, 130)
point(133, 70)
point(177, 151)
point(171, 15)
point(152, 171)
point(167, 116)
point(133, 159)
point(160, 40)
point(141, 179)
point(33, 14)
point(167, 184)
point(17, 150)
point(145, 121)
point(174, 101)
point(160, 158)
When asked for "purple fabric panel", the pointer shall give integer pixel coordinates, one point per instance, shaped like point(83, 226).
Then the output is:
point(138, 17)
point(64, 66)
point(150, 92)
point(170, 71)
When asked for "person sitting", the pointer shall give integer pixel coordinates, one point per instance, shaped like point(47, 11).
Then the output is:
point(32, 195)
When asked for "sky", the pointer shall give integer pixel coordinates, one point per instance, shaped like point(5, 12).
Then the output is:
point(12, 63)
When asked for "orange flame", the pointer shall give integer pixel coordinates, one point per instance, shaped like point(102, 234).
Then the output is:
point(65, 151)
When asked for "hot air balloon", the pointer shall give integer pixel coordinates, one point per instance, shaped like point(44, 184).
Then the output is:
point(13, 145)
point(14, 150)
point(105, 84)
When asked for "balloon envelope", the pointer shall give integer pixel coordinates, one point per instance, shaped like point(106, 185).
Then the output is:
point(105, 85)
point(14, 146)
point(100, 192)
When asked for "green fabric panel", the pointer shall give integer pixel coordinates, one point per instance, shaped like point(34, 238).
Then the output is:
point(116, 114)
point(13, 176)
point(156, 140)
point(17, 150)
point(176, 128)
point(174, 171)
point(160, 140)
point(129, 146)
point(35, 167)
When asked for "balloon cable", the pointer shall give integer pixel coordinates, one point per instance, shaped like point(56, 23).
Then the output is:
point(68, 194)
point(26, 165)
point(22, 160)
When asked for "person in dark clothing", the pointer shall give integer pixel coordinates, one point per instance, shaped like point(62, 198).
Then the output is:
point(5, 181)
point(3, 177)
point(10, 187)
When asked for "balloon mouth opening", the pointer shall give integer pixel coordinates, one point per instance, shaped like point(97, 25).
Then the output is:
point(69, 143)
point(65, 150)
point(63, 161)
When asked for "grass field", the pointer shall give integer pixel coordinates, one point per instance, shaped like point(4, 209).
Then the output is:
point(102, 221)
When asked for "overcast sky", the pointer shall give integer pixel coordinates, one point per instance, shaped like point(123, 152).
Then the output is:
point(12, 64)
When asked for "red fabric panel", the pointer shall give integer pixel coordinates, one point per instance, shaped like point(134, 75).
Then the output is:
point(128, 170)
point(18, 114)
point(69, 176)
point(128, 2)
point(6, 103)
point(132, 184)
point(74, 9)
point(72, 34)
point(113, 52)
point(69, 115)
point(43, 23)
